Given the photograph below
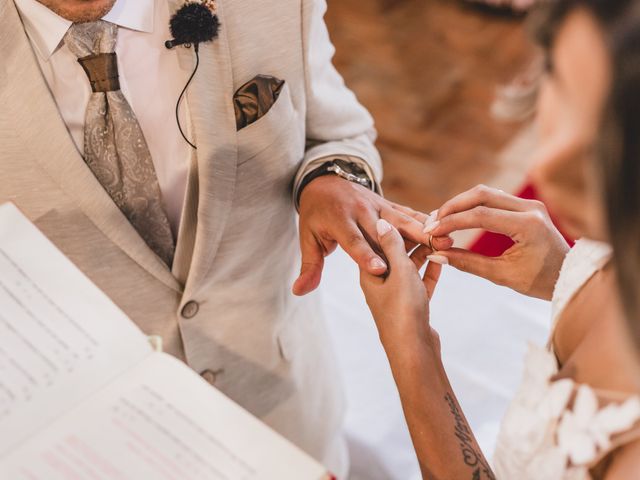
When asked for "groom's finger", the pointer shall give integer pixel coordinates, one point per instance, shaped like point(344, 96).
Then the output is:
point(312, 264)
point(413, 230)
point(419, 216)
point(489, 268)
point(367, 224)
point(409, 227)
point(353, 242)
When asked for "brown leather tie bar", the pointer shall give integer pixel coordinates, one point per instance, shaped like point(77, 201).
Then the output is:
point(102, 70)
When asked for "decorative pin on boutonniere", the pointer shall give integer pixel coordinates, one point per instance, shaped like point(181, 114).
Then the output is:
point(194, 23)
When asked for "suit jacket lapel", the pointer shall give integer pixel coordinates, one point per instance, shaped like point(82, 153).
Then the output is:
point(213, 118)
point(33, 110)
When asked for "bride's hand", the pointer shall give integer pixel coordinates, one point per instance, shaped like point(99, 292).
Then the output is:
point(400, 301)
point(531, 266)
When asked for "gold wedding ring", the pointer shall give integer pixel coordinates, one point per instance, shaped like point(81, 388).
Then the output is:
point(431, 244)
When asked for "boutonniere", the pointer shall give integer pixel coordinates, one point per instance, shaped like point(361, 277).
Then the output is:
point(194, 23)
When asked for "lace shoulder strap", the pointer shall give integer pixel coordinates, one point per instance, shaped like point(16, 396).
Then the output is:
point(582, 262)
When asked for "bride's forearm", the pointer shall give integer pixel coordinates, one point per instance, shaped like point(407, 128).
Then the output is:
point(445, 445)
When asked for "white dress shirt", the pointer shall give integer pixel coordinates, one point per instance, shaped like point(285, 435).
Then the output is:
point(151, 79)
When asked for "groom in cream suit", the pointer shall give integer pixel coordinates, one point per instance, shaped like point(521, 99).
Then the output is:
point(213, 273)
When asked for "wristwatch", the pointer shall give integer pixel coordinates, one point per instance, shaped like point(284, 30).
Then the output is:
point(347, 170)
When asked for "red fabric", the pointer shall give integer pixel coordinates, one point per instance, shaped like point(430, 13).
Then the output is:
point(494, 244)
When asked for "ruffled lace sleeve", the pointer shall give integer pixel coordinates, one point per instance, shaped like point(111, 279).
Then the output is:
point(558, 430)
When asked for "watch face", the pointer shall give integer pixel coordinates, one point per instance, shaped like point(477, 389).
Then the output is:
point(352, 168)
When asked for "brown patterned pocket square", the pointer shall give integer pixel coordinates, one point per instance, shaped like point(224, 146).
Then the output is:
point(255, 98)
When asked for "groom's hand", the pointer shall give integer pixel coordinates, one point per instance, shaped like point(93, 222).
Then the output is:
point(334, 211)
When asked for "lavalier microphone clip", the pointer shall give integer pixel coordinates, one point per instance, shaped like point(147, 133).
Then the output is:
point(194, 23)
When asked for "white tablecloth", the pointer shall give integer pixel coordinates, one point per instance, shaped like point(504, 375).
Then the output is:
point(484, 331)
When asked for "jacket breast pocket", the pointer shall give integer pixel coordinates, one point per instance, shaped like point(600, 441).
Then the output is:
point(260, 135)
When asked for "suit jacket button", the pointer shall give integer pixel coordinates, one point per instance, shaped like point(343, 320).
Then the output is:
point(209, 376)
point(190, 309)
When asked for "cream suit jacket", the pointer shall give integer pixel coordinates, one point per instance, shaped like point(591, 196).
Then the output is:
point(226, 308)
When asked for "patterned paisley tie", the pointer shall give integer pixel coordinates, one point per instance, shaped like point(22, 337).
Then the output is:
point(114, 146)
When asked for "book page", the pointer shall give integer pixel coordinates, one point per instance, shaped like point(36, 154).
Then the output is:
point(61, 338)
point(160, 421)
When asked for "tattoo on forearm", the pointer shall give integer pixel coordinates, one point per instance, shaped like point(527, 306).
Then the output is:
point(471, 455)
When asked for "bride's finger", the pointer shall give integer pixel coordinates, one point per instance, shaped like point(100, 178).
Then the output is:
point(489, 268)
point(431, 277)
point(491, 219)
point(442, 243)
point(391, 243)
point(482, 195)
point(419, 256)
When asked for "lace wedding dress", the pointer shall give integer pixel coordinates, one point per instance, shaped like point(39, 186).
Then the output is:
point(560, 430)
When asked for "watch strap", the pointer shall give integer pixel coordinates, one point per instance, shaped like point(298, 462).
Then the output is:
point(323, 170)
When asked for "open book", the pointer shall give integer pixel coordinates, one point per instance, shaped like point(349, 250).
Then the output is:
point(84, 396)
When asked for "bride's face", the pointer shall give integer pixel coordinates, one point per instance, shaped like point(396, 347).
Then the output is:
point(571, 104)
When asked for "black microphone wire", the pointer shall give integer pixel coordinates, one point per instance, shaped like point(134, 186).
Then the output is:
point(184, 90)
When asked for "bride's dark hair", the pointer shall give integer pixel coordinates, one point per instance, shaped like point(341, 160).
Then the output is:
point(618, 148)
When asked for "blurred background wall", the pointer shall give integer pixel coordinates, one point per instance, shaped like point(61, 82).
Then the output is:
point(428, 72)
